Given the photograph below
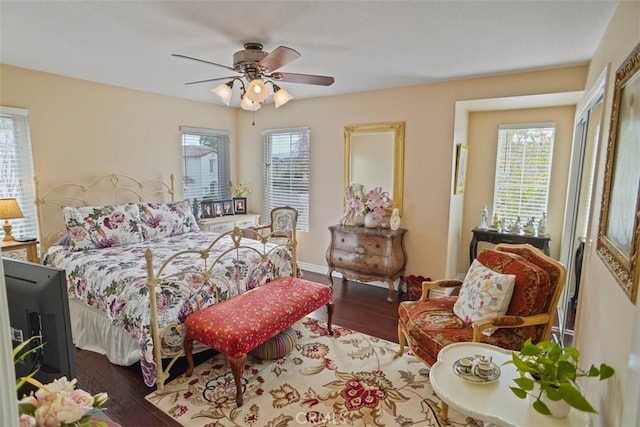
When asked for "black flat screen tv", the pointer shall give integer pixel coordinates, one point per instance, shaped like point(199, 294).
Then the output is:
point(39, 306)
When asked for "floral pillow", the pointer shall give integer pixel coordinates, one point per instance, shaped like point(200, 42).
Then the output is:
point(485, 294)
point(167, 219)
point(93, 227)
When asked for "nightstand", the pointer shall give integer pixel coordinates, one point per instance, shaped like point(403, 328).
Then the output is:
point(222, 224)
point(31, 247)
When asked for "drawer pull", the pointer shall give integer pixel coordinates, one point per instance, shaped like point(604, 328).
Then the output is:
point(342, 240)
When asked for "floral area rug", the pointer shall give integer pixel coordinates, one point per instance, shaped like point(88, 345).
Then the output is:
point(348, 379)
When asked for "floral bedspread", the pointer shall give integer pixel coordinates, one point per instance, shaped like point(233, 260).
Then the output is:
point(113, 280)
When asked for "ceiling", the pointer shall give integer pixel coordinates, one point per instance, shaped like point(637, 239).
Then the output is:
point(365, 45)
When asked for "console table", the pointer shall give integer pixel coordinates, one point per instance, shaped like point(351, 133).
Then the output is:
point(367, 255)
point(495, 237)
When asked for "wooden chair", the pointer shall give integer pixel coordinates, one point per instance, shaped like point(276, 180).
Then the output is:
point(283, 224)
point(429, 324)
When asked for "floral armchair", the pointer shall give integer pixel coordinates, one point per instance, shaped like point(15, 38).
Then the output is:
point(283, 224)
point(535, 281)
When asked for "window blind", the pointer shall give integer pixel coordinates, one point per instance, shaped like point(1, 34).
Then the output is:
point(16, 169)
point(523, 171)
point(206, 164)
point(286, 172)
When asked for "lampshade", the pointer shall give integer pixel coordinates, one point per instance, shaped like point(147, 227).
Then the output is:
point(224, 92)
point(249, 105)
point(257, 91)
point(280, 96)
point(9, 209)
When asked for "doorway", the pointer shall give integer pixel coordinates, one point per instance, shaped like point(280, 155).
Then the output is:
point(587, 136)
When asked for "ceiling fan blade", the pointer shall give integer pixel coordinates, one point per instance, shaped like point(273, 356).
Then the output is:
point(211, 80)
point(202, 60)
point(280, 56)
point(309, 79)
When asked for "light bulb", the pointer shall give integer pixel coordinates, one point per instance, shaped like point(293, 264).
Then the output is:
point(257, 91)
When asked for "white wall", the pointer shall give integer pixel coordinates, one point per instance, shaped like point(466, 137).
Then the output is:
point(607, 319)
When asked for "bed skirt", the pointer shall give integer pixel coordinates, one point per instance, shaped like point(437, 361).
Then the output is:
point(92, 331)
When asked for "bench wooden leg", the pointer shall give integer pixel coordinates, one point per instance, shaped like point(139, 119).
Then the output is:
point(237, 369)
point(330, 317)
point(187, 346)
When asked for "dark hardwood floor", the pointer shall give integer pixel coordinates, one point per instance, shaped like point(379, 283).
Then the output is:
point(357, 306)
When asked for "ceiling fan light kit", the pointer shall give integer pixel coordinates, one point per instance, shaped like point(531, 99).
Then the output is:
point(258, 68)
point(257, 91)
point(224, 92)
point(249, 105)
point(280, 96)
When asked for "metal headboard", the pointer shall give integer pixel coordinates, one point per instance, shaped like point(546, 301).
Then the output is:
point(105, 190)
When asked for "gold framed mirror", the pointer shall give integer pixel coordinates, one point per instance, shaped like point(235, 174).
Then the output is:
point(374, 157)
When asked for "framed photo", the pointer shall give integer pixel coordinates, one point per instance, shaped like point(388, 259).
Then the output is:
point(461, 168)
point(240, 205)
point(217, 209)
point(227, 207)
point(207, 209)
point(619, 230)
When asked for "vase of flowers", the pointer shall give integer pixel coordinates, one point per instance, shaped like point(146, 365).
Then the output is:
point(241, 190)
point(370, 220)
point(58, 403)
point(360, 205)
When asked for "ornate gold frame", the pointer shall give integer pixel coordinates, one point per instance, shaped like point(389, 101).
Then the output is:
point(398, 155)
point(620, 210)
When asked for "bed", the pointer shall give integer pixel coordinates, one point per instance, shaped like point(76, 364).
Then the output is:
point(116, 253)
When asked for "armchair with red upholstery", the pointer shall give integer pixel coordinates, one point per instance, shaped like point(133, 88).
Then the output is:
point(429, 324)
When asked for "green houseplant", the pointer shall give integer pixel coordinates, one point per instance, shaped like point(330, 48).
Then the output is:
point(554, 369)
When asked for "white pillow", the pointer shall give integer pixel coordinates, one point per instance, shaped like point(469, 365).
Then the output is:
point(485, 294)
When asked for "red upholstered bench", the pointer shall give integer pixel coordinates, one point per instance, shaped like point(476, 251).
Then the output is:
point(239, 324)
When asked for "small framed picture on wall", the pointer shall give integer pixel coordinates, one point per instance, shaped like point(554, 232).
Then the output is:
point(240, 205)
point(217, 209)
point(227, 207)
point(207, 209)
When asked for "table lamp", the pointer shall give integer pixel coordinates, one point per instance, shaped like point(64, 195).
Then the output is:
point(9, 209)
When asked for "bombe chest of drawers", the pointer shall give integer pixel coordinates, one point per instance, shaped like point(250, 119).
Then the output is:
point(367, 255)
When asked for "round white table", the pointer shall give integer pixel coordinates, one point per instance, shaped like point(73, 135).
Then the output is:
point(491, 402)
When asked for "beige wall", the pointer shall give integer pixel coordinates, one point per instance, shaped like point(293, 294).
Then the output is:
point(82, 129)
point(482, 142)
point(607, 320)
point(428, 112)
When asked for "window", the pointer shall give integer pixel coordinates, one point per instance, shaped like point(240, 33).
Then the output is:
point(286, 172)
point(205, 156)
point(16, 169)
point(523, 171)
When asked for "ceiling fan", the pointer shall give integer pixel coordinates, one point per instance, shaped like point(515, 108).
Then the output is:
point(258, 68)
